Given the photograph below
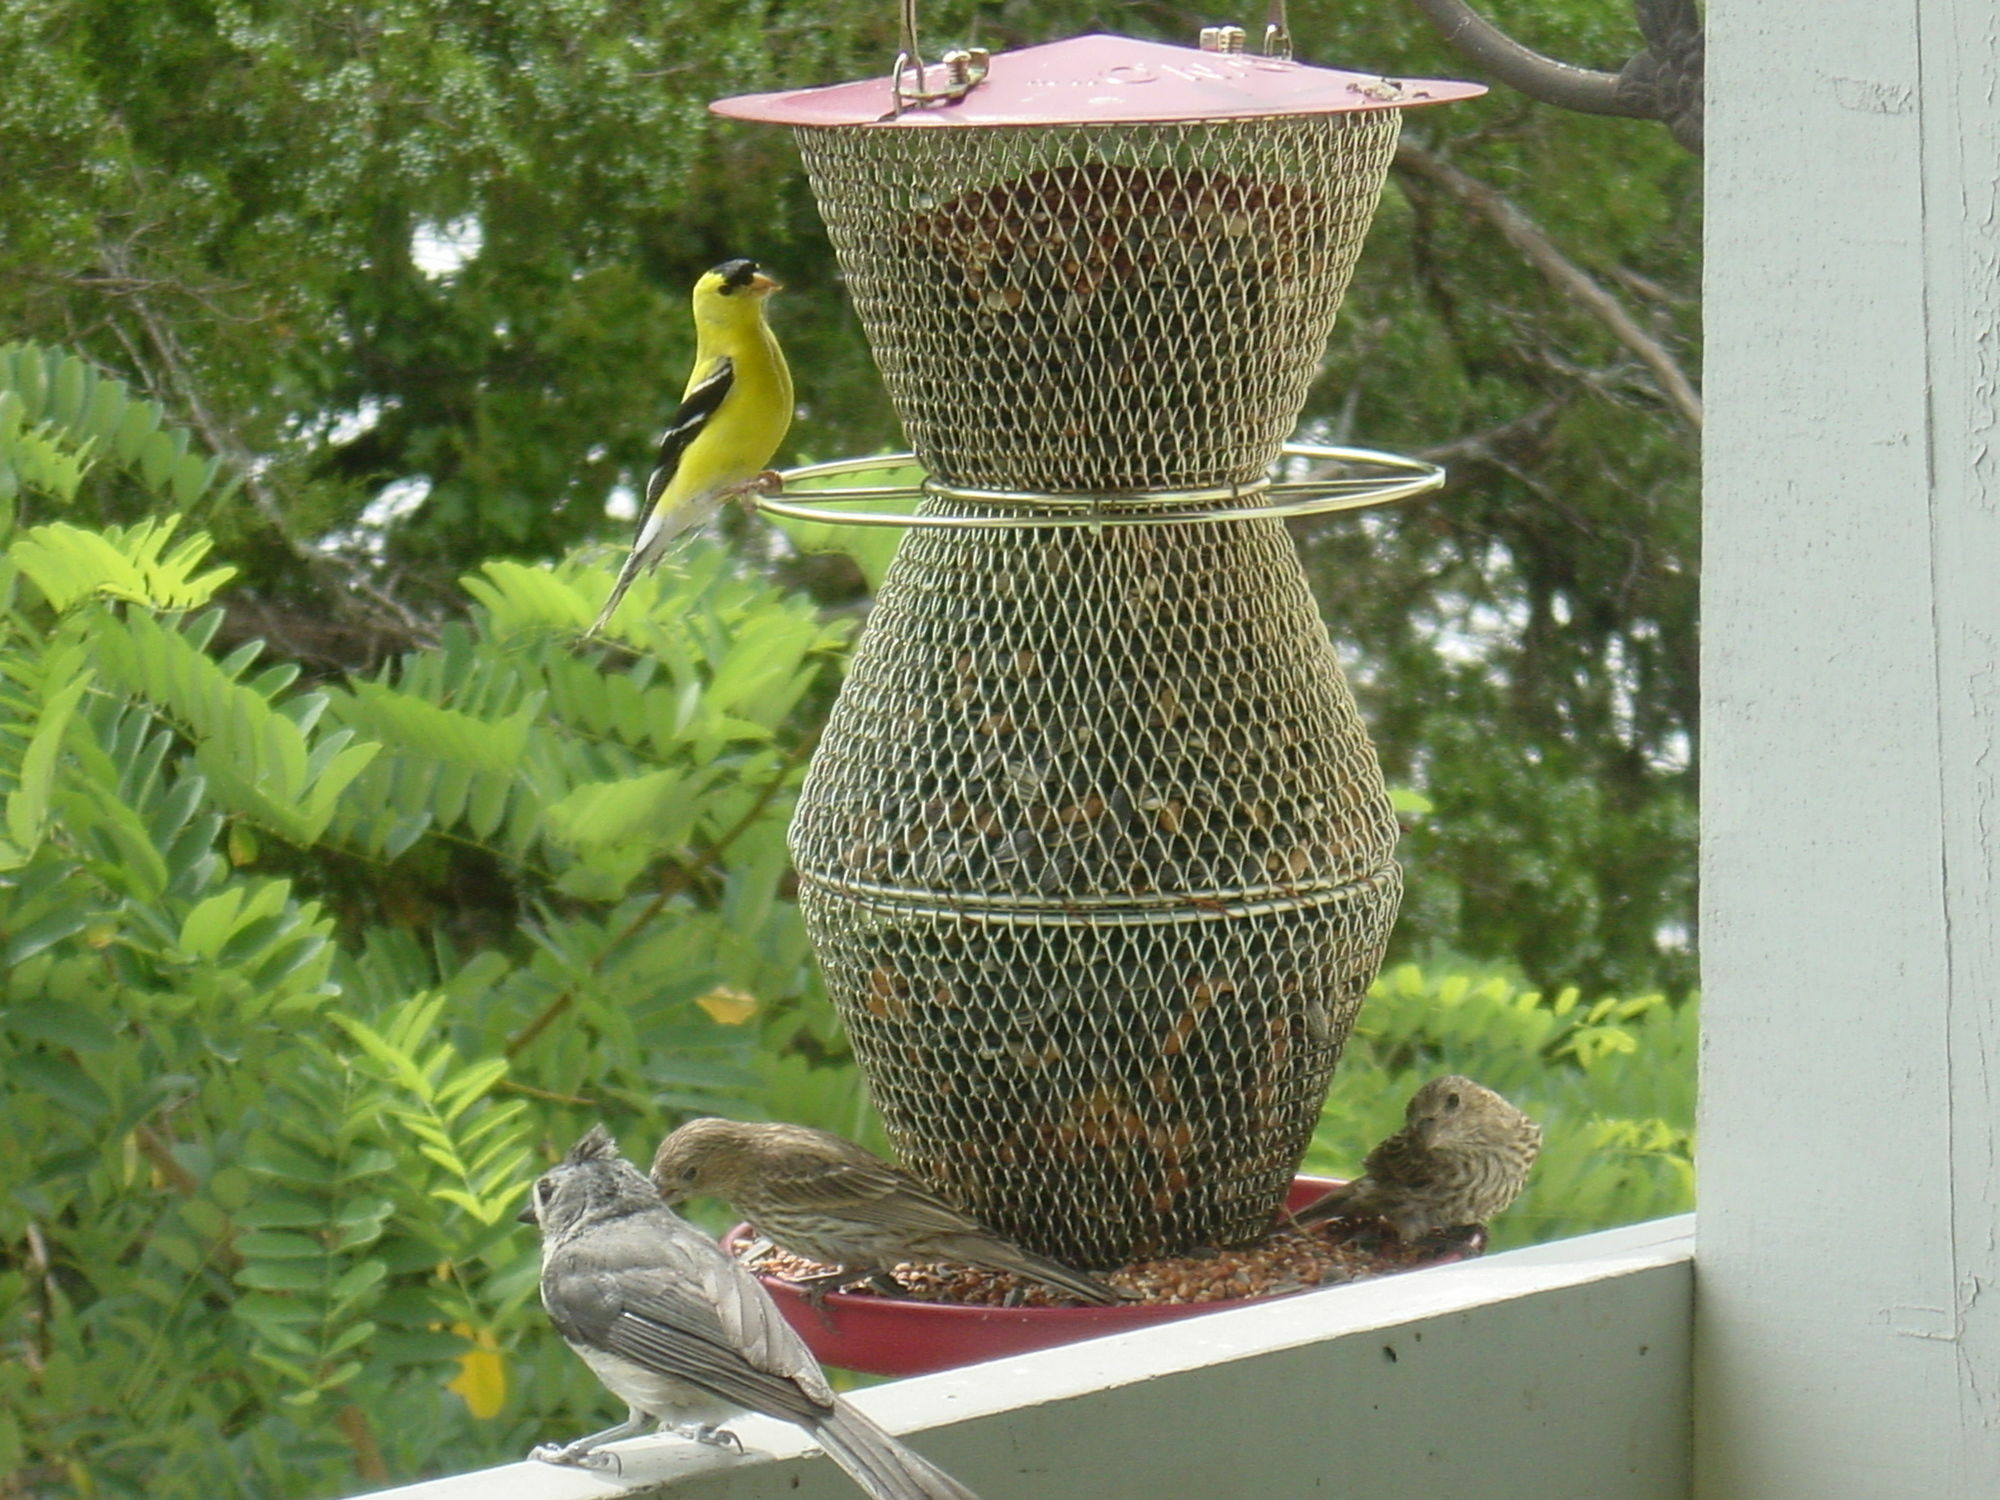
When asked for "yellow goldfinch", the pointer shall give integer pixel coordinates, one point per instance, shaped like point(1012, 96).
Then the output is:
point(732, 416)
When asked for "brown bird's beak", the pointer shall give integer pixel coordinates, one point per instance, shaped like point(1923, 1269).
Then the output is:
point(763, 285)
point(527, 1214)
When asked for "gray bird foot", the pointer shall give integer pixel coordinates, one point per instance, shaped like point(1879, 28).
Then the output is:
point(815, 1288)
point(709, 1436)
point(577, 1456)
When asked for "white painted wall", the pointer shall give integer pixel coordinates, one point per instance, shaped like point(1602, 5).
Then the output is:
point(1848, 1318)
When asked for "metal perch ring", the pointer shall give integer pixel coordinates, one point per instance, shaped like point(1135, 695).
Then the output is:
point(1040, 511)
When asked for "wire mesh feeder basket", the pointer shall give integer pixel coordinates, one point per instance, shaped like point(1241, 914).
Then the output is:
point(1095, 852)
point(1112, 265)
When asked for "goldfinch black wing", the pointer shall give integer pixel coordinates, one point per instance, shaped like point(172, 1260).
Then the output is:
point(698, 407)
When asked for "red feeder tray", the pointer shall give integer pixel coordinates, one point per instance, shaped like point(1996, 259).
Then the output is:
point(898, 1336)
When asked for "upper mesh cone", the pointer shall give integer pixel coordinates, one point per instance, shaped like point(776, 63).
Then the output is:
point(1113, 265)
point(1129, 308)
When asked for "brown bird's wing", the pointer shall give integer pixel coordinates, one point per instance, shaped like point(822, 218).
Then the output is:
point(1396, 1162)
point(853, 1179)
point(834, 1176)
point(1400, 1159)
point(660, 1293)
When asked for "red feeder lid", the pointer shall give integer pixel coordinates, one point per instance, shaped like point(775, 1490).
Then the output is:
point(1107, 80)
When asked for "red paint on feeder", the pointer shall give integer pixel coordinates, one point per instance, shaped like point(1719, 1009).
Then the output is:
point(899, 1336)
point(1106, 80)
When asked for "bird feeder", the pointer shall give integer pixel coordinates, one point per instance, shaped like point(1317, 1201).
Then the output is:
point(1095, 852)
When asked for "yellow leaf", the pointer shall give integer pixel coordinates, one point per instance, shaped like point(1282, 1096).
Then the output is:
point(482, 1373)
point(730, 1007)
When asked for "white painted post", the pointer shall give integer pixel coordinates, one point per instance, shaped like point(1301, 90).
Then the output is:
point(1848, 1322)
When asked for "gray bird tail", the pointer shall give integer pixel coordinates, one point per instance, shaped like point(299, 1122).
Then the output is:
point(880, 1465)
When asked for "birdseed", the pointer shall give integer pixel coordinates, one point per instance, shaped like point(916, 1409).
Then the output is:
point(1290, 1259)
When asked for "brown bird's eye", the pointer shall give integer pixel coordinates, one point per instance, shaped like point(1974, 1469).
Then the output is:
point(1451, 1101)
point(689, 1173)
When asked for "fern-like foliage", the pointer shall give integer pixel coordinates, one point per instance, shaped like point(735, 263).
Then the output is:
point(591, 770)
point(70, 564)
point(1611, 1082)
point(261, 1140)
point(62, 404)
point(477, 1144)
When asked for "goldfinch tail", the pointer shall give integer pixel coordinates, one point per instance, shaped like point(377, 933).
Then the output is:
point(657, 537)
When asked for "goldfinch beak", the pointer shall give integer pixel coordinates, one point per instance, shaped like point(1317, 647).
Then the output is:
point(763, 285)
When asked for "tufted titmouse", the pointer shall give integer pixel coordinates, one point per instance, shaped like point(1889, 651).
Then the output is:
point(677, 1329)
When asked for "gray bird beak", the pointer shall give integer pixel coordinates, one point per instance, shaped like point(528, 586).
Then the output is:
point(527, 1214)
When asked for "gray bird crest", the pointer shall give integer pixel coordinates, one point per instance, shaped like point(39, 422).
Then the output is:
point(591, 1183)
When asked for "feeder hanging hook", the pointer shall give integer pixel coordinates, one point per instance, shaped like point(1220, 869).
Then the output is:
point(965, 70)
point(1277, 32)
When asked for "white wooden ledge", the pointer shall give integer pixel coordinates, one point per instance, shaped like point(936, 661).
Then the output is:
point(1559, 1372)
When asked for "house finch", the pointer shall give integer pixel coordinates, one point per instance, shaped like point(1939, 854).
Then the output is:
point(817, 1195)
point(675, 1327)
point(1459, 1159)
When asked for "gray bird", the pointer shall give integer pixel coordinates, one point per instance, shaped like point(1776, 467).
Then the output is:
point(1460, 1158)
point(675, 1328)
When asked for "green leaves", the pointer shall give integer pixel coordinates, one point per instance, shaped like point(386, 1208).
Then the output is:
point(28, 802)
point(482, 1153)
point(57, 411)
point(312, 1216)
point(280, 1127)
point(590, 767)
point(35, 456)
point(1611, 1082)
point(260, 761)
point(70, 564)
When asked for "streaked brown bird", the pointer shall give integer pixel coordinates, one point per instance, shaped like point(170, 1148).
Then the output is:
point(1460, 1158)
point(819, 1195)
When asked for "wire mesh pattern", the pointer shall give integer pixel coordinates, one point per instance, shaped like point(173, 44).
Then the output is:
point(1095, 852)
point(1097, 859)
point(1072, 309)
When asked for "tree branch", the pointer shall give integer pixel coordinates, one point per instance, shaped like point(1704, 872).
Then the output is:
point(1582, 89)
point(346, 585)
point(1662, 81)
point(1493, 444)
point(1564, 274)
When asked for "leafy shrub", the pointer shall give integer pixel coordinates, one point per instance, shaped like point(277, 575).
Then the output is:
point(268, 1115)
